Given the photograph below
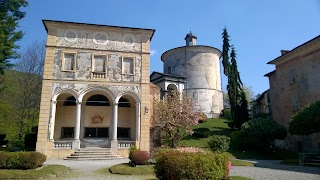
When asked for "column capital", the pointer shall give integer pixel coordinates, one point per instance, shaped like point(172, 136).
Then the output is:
point(137, 104)
point(53, 102)
point(115, 104)
point(78, 102)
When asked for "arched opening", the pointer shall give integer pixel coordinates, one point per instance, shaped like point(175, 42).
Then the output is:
point(96, 118)
point(65, 116)
point(98, 100)
point(172, 88)
point(126, 118)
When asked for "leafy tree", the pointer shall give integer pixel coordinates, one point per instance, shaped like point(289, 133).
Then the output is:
point(10, 14)
point(174, 117)
point(306, 121)
point(20, 100)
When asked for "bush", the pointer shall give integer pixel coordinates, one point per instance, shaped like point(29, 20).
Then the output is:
point(21, 160)
point(139, 157)
point(172, 165)
point(201, 133)
point(240, 140)
point(306, 121)
point(131, 150)
point(257, 134)
point(219, 143)
point(202, 118)
point(226, 114)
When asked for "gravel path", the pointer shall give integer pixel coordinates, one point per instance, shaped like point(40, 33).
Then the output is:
point(264, 170)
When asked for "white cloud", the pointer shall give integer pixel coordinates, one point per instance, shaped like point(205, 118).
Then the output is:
point(153, 52)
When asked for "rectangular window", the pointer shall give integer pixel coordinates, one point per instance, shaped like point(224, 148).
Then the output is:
point(67, 132)
point(96, 132)
point(295, 102)
point(169, 70)
point(128, 65)
point(68, 62)
point(292, 76)
point(99, 63)
point(123, 133)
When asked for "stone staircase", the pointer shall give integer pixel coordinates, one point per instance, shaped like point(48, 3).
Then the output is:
point(93, 154)
point(313, 161)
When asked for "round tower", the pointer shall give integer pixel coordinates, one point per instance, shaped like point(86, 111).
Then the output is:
point(200, 66)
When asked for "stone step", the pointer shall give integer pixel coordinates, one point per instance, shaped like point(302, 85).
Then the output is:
point(93, 154)
point(89, 159)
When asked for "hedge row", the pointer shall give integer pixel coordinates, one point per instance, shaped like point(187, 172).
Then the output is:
point(21, 160)
point(172, 165)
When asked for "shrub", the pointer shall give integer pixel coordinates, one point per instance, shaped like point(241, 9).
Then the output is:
point(139, 157)
point(201, 133)
point(306, 121)
point(226, 114)
point(21, 160)
point(257, 134)
point(172, 165)
point(202, 118)
point(219, 143)
point(131, 150)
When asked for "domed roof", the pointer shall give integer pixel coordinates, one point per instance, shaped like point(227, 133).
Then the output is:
point(190, 35)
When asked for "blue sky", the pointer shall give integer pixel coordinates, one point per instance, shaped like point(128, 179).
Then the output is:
point(258, 29)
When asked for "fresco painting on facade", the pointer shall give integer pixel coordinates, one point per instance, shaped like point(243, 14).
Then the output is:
point(96, 80)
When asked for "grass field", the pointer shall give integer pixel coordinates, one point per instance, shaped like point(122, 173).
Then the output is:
point(220, 127)
point(44, 173)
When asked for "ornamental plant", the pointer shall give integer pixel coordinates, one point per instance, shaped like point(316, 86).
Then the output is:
point(306, 121)
point(174, 117)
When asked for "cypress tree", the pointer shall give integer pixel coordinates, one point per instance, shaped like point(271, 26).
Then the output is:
point(237, 97)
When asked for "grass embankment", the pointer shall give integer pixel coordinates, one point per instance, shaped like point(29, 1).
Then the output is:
point(44, 173)
point(220, 127)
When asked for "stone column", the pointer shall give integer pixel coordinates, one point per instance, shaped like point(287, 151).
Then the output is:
point(137, 121)
point(76, 142)
point(52, 120)
point(114, 141)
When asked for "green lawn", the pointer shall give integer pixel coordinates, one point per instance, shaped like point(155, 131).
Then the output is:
point(215, 126)
point(127, 169)
point(44, 173)
point(220, 127)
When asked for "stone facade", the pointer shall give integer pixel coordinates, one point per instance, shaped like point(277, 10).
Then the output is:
point(294, 84)
point(261, 107)
point(96, 87)
point(194, 70)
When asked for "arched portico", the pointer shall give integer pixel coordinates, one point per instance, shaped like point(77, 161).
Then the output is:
point(95, 117)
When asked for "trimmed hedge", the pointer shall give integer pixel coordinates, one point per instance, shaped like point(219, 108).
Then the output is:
point(21, 160)
point(173, 164)
point(139, 157)
point(219, 143)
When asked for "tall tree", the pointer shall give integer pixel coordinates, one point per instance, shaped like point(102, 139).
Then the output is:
point(237, 97)
point(225, 51)
point(10, 14)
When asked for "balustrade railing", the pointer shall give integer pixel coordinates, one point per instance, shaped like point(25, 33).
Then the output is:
point(125, 144)
point(62, 145)
point(98, 75)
